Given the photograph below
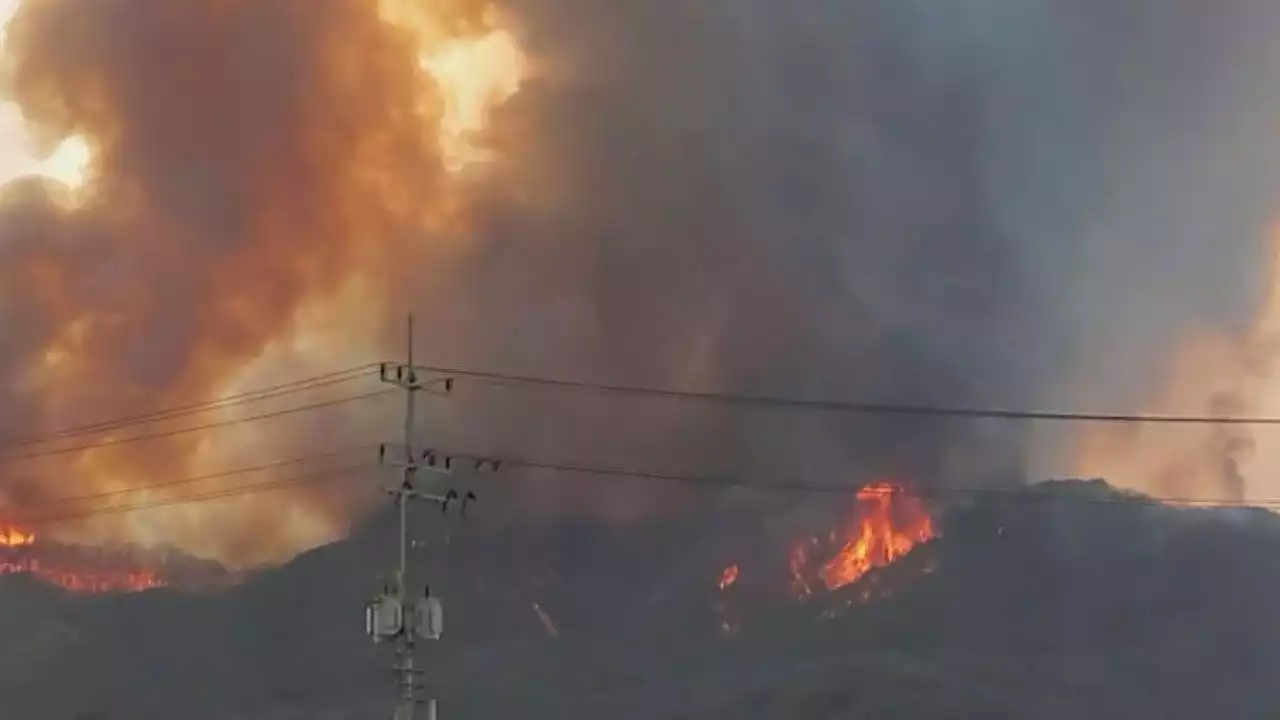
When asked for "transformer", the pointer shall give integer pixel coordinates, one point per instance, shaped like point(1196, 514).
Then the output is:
point(383, 618)
point(428, 621)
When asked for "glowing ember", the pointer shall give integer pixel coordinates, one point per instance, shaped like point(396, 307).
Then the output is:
point(19, 554)
point(889, 524)
point(728, 620)
point(729, 576)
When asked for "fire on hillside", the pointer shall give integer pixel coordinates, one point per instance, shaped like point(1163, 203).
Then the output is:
point(94, 570)
point(888, 522)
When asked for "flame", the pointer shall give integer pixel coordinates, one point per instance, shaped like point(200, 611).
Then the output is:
point(728, 576)
point(13, 537)
point(889, 524)
point(18, 555)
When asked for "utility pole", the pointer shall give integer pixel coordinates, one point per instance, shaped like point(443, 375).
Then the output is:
point(397, 614)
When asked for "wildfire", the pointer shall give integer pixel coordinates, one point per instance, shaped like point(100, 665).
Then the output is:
point(18, 556)
point(889, 524)
point(12, 537)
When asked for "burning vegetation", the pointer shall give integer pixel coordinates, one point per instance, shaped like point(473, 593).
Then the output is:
point(888, 524)
point(69, 567)
point(82, 569)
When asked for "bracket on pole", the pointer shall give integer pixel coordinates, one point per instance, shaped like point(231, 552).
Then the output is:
point(409, 377)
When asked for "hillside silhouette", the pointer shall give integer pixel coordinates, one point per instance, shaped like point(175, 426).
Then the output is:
point(1065, 600)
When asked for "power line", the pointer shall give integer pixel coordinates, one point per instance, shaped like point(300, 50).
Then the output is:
point(266, 393)
point(112, 442)
point(1026, 493)
point(1021, 493)
point(863, 408)
point(164, 485)
point(239, 491)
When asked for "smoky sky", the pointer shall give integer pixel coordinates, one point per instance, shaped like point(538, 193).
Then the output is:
point(750, 198)
point(960, 203)
point(982, 203)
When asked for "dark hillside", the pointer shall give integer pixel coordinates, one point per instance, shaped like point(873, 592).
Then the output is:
point(1066, 601)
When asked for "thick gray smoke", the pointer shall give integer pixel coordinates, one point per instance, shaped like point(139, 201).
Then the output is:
point(986, 203)
point(758, 199)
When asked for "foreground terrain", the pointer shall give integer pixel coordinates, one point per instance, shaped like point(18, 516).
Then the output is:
point(1064, 601)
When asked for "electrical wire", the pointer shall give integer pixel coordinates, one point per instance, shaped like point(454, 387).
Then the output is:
point(1023, 493)
point(166, 484)
point(266, 393)
point(346, 472)
point(501, 379)
point(112, 442)
point(1019, 494)
point(863, 408)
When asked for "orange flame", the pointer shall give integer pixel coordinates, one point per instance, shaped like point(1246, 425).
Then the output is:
point(890, 523)
point(21, 559)
point(729, 576)
point(13, 537)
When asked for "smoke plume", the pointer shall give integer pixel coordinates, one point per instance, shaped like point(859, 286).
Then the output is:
point(953, 203)
point(252, 162)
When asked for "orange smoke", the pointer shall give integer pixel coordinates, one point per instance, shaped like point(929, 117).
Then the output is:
point(253, 180)
point(1213, 373)
point(889, 524)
